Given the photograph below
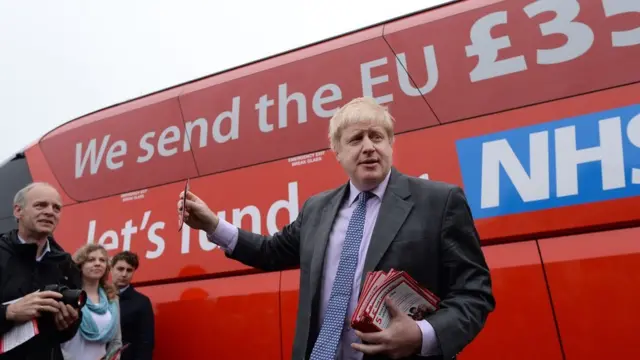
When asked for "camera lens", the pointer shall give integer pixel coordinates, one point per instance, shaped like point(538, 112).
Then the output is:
point(82, 299)
point(75, 298)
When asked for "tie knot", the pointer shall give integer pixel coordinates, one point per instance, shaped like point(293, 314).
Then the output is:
point(365, 196)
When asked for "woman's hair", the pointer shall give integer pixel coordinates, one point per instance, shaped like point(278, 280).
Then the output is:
point(81, 256)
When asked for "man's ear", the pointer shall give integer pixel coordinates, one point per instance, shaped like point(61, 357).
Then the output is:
point(17, 211)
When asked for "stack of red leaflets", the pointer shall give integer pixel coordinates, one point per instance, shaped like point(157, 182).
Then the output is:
point(371, 314)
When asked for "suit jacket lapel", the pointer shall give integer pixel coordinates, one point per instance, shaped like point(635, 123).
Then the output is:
point(393, 212)
point(323, 229)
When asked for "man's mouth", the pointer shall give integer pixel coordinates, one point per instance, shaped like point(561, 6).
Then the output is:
point(44, 221)
point(369, 162)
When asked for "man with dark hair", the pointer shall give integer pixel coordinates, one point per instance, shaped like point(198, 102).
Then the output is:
point(136, 312)
point(31, 259)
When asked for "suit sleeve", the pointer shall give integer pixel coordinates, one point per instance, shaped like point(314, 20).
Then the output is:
point(146, 335)
point(466, 279)
point(280, 251)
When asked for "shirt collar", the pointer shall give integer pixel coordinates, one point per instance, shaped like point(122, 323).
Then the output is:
point(378, 190)
point(124, 288)
point(47, 248)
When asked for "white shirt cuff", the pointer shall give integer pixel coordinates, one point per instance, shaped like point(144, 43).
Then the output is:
point(429, 340)
point(225, 236)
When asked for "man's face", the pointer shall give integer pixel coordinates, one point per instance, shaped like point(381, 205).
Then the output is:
point(365, 153)
point(122, 273)
point(41, 211)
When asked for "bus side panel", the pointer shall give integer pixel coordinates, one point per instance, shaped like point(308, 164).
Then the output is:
point(522, 307)
point(146, 222)
point(227, 318)
point(127, 151)
point(505, 55)
point(522, 325)
point(41, 171)
point(594, 282)
point(302, 101)
point(548, 169)
point(289, 292)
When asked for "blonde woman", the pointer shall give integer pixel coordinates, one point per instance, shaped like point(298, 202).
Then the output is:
point(99, 332)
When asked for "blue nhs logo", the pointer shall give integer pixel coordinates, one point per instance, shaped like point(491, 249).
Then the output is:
point(584, 159)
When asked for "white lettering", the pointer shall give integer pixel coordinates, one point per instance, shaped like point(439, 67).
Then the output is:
point(144, 144)
point(155, 239)
point(204, 242)
point(185, 235)
point(109, 235)
point(90, 154)
point(368, 81)
point(432, 73)
point(283, 101)
point(261, 106)
point(616, 7)
point(319, 100)
point(253, 213)
point(234, 117)
point(109, 239)
point(633, 133)
point(579, 36)
point(126, 232)
point(117, 149)
point(486, 49)
point(291, 205)
point(91, 235)
point(609, 153)
point(530, 187)
point(189, 126)
point(168, 136)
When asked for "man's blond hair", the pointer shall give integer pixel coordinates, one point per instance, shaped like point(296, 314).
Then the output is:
point(362, 109)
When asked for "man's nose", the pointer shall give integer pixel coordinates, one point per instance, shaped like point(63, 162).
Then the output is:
point(367, 144)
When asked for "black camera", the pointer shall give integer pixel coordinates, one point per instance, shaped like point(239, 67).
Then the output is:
point(75, 298)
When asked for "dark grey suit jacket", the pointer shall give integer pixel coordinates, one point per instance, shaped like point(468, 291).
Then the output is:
point(424, 228)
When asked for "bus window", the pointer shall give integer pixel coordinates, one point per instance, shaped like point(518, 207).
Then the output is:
point(14, 175)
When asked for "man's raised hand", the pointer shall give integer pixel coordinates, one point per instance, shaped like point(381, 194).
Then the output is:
point(197, 214)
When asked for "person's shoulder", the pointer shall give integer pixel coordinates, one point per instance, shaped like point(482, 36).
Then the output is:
point(57, 249)
point(440, 194)
point(5, 240)
point(431, 186)
point(139, 295)
point(8, 238)
point(6, 249)
point(321, 199)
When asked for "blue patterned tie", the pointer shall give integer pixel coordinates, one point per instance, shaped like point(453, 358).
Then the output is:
point(327, 343)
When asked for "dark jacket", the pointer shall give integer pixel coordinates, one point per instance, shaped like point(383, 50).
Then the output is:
point(21, 274)
point(137, 324)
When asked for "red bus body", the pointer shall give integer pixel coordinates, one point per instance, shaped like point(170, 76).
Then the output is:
point(533, 107)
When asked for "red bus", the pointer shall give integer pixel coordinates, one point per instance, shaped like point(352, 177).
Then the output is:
point(532, 106)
